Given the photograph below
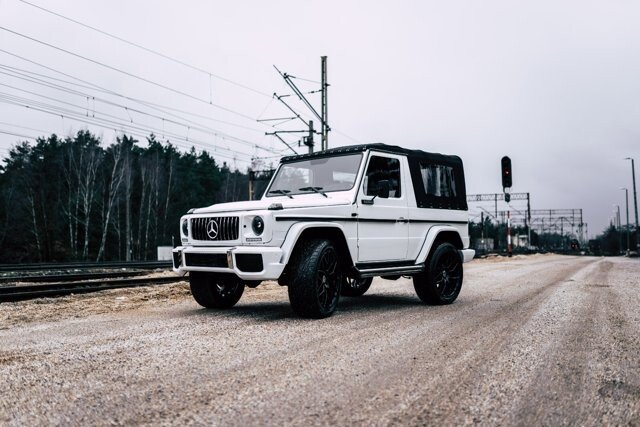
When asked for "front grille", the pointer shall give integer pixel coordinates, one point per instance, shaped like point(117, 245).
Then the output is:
point(215, 228)
point(205, 260)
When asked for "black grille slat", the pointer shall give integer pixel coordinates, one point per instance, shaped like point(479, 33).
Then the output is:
point(205, 260)
point(223, 228)
point(228, 228)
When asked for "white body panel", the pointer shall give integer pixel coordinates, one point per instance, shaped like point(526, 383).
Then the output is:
point(383, 227)
point(387, 231)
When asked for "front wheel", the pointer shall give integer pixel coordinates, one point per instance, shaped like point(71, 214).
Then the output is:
point(352, 287)
point(314, 288)
point(442, 281)
point(215, 290)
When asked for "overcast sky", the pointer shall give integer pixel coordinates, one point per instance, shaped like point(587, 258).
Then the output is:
point(554, 85)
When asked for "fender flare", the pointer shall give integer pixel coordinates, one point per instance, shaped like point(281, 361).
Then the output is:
point(296, 230)
point(432, 235)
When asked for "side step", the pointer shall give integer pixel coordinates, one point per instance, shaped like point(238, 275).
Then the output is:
point(387, 271)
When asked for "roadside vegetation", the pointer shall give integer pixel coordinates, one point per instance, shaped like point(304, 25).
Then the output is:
point(77, 199)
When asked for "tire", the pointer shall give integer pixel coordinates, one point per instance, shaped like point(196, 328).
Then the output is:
point(316, 279)
point(442, 281)
point(212, 290)
point(355, 287)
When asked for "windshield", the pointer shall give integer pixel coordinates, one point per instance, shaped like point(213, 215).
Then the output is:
point(316, 176)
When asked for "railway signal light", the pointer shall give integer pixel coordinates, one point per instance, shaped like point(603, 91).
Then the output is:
point(506, 172)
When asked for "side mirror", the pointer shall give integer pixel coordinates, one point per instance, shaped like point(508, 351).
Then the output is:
point(383, 189)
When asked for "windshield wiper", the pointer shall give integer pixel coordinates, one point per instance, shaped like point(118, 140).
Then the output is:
point(283, 192)
point(314, 189)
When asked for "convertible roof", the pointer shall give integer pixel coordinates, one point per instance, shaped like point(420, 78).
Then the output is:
point(394, 149)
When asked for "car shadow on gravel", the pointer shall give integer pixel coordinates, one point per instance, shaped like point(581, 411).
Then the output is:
point(280, 310)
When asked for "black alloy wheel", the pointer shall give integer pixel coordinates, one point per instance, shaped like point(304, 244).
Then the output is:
point(448, 274)
point(314, 288)
point(442, 282)
point(327, 279)
point(212, 290)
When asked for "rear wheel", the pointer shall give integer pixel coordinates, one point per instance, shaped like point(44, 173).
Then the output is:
point(352, 287)
point(212, 290)
point(442, 281)
point(314, 288)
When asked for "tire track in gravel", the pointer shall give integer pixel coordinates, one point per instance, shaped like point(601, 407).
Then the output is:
point(391, 363)
point(524, 362)
point(465, 348)
point(562, 390)
point(587, 377)
point(366, 347)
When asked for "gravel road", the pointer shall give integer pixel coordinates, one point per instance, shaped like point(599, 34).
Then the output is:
point(538, 340)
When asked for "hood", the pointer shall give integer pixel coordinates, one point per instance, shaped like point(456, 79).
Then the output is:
point(306, 201)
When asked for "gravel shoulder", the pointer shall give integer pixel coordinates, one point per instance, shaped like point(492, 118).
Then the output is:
point(531, 340)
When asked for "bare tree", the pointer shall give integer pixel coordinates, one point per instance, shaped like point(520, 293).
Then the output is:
point(115, 179)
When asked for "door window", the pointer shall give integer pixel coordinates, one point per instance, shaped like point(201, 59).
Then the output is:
point(379, 169)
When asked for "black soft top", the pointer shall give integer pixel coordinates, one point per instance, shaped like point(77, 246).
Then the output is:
point(393, 149)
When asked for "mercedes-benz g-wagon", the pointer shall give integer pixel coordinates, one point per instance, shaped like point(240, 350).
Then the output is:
point(328, 223)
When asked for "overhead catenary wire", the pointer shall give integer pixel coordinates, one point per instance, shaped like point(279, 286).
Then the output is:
point(6, 132)
point(93, 86)
point(19, 135)
point(109, 124)
point(202, 129)
point(132, 75)
point(24, 127)
point(98, 121)
point(146, 49)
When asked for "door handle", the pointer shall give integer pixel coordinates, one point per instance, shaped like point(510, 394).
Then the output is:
point(402, 220)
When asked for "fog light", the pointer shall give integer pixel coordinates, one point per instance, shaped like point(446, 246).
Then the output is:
point(257, 225)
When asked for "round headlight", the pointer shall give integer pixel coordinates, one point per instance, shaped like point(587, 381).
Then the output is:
point(257, 225)
point(185, 227)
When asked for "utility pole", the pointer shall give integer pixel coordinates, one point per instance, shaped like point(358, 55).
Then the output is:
point(322, 116)
point(617, 225)
point(509, 247)
point(635, 203)
point(529, 220)
point(626, 196)
point(324, 109)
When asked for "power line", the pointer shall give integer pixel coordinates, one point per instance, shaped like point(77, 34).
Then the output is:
point(196, 127)
point(108, 124)
point(2, 131)
point(135, 76)
point(19, 135)
point(346, 136)
point(177, 61)
point(91, 86)
point(24, 127)
point(168, 88)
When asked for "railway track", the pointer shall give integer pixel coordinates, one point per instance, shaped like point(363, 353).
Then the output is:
point(47, 278)
point(146, 265)
point(25, 292)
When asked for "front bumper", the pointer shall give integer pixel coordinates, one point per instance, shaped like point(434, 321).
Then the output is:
point(467, 254)
point(246, 262)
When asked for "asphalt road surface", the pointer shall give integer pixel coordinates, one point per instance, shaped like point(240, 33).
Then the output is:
point(539, 340)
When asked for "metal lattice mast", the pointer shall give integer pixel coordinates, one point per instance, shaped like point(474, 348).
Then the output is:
point(324, 109)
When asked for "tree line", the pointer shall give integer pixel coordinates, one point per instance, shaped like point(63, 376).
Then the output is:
point(75, 199)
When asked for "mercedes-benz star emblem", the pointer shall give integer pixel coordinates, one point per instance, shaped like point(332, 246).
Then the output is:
point(212, 229)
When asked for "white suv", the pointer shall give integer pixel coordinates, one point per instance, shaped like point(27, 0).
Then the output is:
point(328, 223)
